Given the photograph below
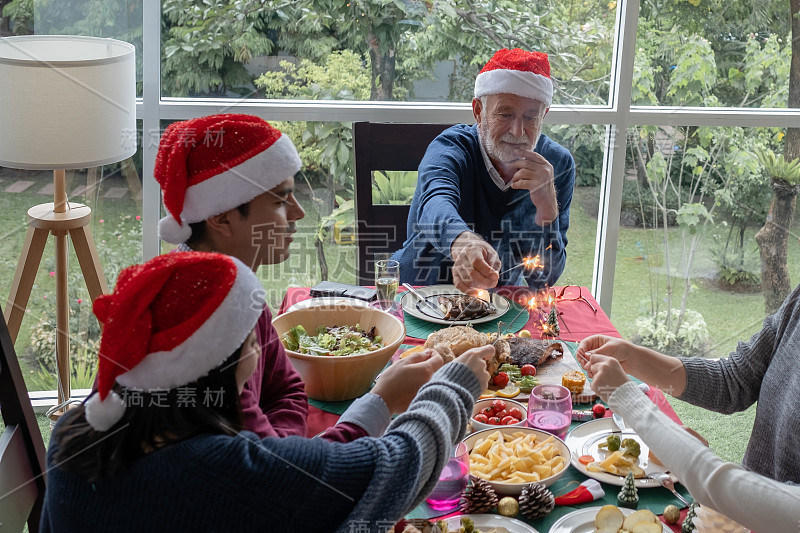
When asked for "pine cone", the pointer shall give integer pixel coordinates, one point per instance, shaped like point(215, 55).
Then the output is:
point(536, 501)
point(479, 497)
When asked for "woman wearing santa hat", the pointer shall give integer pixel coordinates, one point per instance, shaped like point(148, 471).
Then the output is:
point(159, 445)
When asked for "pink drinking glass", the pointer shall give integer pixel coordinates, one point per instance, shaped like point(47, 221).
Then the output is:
point(550, 409)
point(452, 480)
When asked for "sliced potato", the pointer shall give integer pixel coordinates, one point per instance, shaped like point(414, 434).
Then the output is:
point(642, 516)
point(647, 528)
point(609, 529)
point(609, 517)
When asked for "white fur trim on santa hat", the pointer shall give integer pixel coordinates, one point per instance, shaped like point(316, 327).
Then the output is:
point(242, 183)
point(594, 488)
point(210, 345)
point(172, 231)
point(102, 415)
point(521, 83)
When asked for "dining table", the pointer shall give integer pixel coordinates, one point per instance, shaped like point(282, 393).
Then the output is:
point(578, 318)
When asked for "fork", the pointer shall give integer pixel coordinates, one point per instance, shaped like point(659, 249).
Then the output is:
point(666, 481)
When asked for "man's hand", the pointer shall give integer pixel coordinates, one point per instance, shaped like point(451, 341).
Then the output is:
point(535, 173)
point(402, 380)
point(475, 263)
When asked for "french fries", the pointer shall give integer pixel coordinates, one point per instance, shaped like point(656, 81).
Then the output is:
point(516, 458)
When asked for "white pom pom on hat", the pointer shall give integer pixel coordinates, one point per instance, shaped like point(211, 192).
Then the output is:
point(208, 165)
point(171, 230)
point(103, 414)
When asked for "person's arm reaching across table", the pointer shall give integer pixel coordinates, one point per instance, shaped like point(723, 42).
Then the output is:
point(392, 393)
point(654, 368)
point(750, 499)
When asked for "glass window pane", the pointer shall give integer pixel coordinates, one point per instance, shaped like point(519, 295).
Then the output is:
point(96, 18)
point(114, 194)
point(402, 51)
point(713, 54)
point(693, 201)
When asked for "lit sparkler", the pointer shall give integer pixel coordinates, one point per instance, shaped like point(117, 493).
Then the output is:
point(531, 263)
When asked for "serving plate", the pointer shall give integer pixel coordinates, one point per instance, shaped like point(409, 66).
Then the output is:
point(582, 521)
point(584, 440)
point(489, 521)
point(412, 305)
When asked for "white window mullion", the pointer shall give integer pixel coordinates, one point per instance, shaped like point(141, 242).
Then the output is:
point(614, 163)
point(150, 115)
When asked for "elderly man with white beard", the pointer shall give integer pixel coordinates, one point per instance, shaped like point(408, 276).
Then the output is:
point(492, 194)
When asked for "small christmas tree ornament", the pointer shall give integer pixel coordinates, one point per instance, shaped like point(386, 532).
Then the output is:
point(478, 497)
point(688, 525)
point(508, 506)
point(671, 514)
point(628, 496)
point(536, 501)
point(551, 327)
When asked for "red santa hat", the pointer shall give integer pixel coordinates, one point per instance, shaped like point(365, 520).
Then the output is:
point(209, 165)
point(516, 72)
point(588, 491)
point(169, 322)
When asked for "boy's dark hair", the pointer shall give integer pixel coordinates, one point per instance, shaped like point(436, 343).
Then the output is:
point(199, 234)
point(158, 420)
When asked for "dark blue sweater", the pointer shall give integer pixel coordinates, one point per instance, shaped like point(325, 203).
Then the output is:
point(455, 193)
point(243, 483)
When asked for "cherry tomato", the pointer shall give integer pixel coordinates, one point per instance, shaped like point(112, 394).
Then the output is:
point(515, 412)
point(501, 379)
point(488, 411)
point(586, 459)
point(501, 414)
point(598, 410)
point(482, 418)
point(508, 420)
point(494, 421)
point(498, 405)
point(527, 370)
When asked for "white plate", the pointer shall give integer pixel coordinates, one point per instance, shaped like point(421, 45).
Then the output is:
point(483, 521)
point(584, 439)
point(414, 307)
point(582, 521)
point(328, 300)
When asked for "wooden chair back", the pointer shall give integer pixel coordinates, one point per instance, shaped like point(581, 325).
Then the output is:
point(384, 146)
point(22, 456)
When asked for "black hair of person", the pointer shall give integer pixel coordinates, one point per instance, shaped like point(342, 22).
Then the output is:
point(199, 232)
point(152, 420)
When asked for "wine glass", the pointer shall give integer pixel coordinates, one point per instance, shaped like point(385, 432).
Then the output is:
point(550, 409)
point(387, 278)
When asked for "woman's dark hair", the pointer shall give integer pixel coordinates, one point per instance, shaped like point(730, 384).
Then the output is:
point(152, 420)
point(199, 235)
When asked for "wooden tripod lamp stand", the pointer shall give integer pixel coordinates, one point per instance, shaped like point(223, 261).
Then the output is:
point(66, 102)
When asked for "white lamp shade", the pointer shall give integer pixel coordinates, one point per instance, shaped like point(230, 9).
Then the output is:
point(66, 101)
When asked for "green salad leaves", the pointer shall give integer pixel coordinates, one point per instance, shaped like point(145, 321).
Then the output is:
point(332, 341)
